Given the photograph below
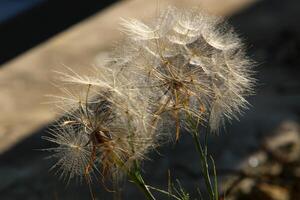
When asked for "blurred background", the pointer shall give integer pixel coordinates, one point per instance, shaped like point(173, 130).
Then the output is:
point(257, 157)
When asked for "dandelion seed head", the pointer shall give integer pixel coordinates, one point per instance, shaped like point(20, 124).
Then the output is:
point(106, 129)
point(184, 65)
point(192, 64)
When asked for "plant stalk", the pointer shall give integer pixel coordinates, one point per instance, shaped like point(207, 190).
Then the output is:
point(204, 165)
point(211, 188)
point(137, 179)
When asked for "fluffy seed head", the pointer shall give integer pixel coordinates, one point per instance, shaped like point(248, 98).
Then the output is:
point(184, 65)
point(192, 63)
point(105, 129)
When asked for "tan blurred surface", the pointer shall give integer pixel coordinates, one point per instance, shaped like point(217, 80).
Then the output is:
point(26, 80)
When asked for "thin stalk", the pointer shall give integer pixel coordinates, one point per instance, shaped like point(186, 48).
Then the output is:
point(164, 192)
point(204, 165)
point(215, 178)
point(137, 179)
point(203, 155)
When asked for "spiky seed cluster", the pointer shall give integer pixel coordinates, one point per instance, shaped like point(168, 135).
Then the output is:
point(72, 151)
point(193, 64)
point(186, 65)
point(105, 128)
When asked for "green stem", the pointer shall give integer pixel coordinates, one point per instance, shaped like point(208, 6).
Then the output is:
point(212, 191)
point(204, 165)
point(215, 179)
point(164, 192)
point(138, 180)
point(135, 177)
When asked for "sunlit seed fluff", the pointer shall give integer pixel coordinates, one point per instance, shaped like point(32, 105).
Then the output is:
point(71, 152)
point(107, 127)
point(192, 63)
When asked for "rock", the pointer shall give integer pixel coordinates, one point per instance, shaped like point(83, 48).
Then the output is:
point(271, 192)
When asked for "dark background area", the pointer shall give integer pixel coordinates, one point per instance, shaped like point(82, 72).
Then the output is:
point(272, 33)
point(26, 23)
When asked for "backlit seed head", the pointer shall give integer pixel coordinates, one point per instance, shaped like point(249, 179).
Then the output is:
point(106, 128)
point(192, 64)
point(185, 65)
